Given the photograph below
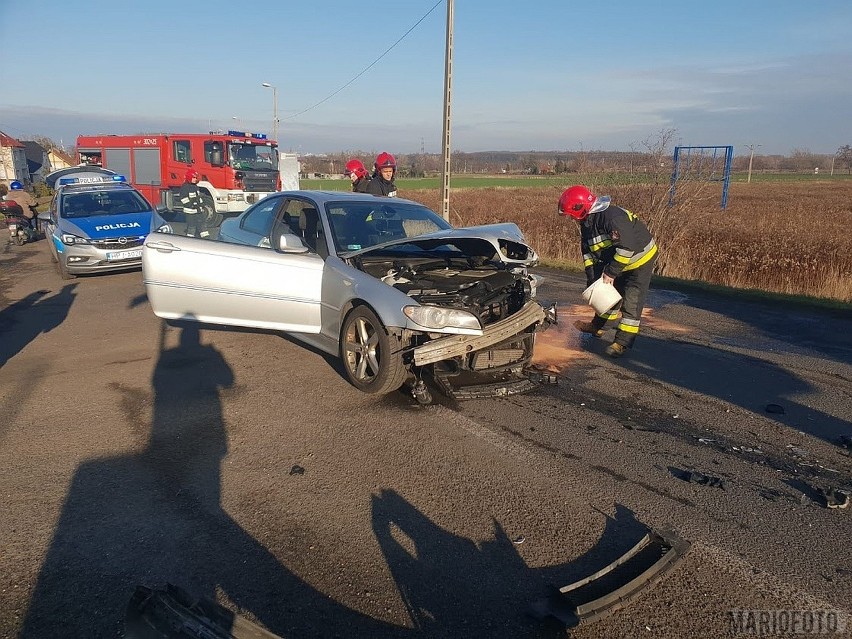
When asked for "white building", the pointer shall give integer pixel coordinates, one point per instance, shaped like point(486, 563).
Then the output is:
point(13, 160)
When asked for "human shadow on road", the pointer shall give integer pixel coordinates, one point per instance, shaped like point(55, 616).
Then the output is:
point(155, 517)
point(455, 587)
point(26, 319)
point(744, 381)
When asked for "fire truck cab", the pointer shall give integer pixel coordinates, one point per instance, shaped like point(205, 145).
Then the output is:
point(237, 168)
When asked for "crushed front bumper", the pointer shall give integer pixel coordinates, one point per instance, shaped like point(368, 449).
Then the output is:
point(451, 346)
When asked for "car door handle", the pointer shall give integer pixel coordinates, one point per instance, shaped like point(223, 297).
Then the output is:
point(163, 247)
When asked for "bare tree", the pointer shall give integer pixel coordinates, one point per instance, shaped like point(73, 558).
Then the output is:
point(844, 155)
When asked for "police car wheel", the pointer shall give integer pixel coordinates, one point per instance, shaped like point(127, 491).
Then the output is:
point(63, 272)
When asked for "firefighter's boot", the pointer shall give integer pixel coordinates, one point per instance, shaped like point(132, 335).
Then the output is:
point(615, 350)
point(589, 328)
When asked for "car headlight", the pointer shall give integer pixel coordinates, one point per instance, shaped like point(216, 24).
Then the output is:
point(435, 317)
point(67, 238)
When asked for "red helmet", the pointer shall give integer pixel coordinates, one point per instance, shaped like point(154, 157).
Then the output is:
point(385, 160)
point(357, 167)
point(190, 175)
point(576, 202)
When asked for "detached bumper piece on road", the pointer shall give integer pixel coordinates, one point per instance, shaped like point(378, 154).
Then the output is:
point(616, 585)
point(173, 613)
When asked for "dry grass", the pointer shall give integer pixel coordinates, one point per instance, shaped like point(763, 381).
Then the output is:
point(784, 237)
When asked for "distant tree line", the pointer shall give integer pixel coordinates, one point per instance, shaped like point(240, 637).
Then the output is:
point(571, 162)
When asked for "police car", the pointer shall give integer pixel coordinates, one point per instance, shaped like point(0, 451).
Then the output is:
point(97, 223)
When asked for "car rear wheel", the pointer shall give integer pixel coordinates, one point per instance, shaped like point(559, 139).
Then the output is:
point(368, 354)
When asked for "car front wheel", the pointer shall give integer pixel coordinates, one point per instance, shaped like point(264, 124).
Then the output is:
point(372, 363)
point(63, 271)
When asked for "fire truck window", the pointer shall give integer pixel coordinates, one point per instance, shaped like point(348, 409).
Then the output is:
point(181, 151)
point(213, 153)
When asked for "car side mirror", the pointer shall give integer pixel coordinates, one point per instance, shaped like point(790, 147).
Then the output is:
point(290, 243)
point(43, 215)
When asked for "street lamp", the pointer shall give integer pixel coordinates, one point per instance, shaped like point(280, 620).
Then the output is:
point(274, 109)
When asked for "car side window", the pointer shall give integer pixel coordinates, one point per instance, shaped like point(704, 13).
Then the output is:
point(259, 220)
point(302, 217)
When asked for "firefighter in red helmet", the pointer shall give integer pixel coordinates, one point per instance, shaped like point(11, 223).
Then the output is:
point(192, 202)
point(618, 248)
point(382, 181)
point(357, 172)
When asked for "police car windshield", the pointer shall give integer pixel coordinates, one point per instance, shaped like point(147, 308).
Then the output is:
point(253, 156)
point(111, 202)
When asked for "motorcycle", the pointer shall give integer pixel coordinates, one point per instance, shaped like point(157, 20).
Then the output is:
point(21, 229)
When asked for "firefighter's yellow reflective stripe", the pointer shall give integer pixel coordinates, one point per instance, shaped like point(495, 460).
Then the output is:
point(643, 257)
point(608, 316)
point(629, 321)
point(621, 259)
point(630, 216)
point(627, 328)
point(625, 252)
point(600, 246)
point(588, 262)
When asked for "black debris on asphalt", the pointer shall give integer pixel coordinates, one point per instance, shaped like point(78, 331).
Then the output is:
point(695, 477)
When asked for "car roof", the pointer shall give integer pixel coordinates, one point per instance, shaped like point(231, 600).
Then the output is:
point(83, 170)
point(337, 196)
point(96, 186)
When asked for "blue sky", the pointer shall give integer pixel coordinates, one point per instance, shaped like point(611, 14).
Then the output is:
point(539, 75)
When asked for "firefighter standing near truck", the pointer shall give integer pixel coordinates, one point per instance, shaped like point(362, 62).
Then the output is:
point(193, 205)
point(382, 181)
point(618, 248)
point(357, 172)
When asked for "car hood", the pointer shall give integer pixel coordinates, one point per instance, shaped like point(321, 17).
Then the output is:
point(103, 226)
point(505, 239)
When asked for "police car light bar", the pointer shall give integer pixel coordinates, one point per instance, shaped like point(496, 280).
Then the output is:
point(92, 180)
point(243, 134)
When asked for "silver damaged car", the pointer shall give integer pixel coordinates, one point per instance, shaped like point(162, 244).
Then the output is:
point(385, 284)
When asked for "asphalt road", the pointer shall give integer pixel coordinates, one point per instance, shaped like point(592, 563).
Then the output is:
point(242, 466)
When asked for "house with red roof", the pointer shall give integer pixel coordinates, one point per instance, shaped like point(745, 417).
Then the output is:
point(13, 160)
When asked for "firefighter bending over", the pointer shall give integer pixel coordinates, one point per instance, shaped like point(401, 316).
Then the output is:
point(192, 202)
point(618, 248)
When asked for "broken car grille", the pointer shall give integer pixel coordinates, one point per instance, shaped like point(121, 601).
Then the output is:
point(485, 360)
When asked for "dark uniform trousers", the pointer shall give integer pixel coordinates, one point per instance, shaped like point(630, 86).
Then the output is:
point(633, 286)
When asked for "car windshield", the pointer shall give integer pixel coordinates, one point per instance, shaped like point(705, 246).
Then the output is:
point(359, 225)
point(112, 202)
point(253, 156)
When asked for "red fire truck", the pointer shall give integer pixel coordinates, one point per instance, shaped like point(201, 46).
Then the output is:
point(237, 168)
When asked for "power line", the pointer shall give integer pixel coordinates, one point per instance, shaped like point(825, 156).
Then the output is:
point(368, 67)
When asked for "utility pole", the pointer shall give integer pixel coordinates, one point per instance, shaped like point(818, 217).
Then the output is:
point(274, 109)
point(448, 88)
point(751, 148)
